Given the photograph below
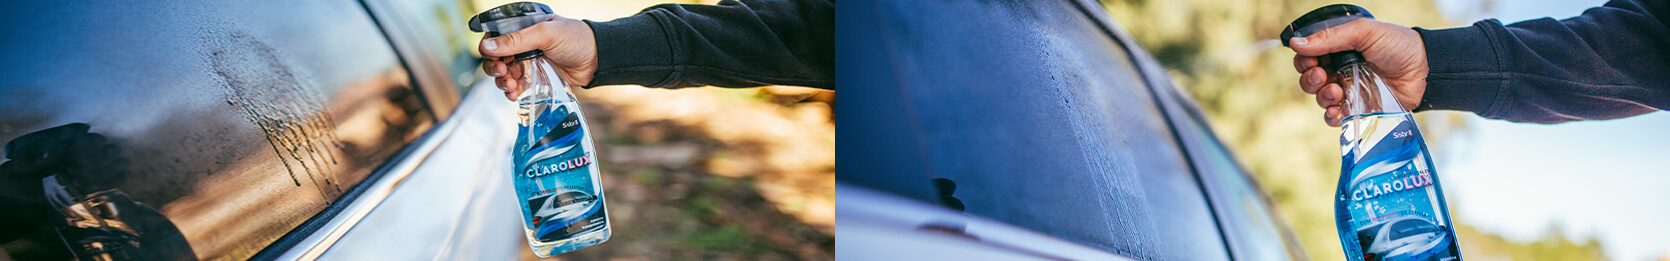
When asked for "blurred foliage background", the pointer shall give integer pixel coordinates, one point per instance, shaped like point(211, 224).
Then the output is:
point(707, 173)
point(1225, 54)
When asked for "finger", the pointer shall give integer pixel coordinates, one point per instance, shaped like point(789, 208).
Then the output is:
point(1354, 35)
point(1329, 95)
point(492, 67)
point(504, 83)
point(527, 39)
point(1332, 116)
point(515, 71)
point(484, 55)
point(1313, 79)
point(499, 82)
point(516, 87)
point(1302, 63)
point(508, 86)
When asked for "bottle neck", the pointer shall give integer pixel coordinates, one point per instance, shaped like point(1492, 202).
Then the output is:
point(1365, 92)
point(541, 81)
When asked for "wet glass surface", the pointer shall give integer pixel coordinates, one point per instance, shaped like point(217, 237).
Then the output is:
point(239, 120)
point(1033, 110)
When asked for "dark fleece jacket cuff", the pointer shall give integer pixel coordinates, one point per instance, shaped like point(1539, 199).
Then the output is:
point(632, 50)
point(1466, 68)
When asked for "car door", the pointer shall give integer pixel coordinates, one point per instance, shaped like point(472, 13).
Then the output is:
point(240, 122)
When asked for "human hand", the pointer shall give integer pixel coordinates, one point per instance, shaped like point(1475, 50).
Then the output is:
point(567, 43)
point(1395, 52)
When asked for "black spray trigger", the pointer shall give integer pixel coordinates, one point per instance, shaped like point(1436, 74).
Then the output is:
point(1321, 19)
point(509, 18)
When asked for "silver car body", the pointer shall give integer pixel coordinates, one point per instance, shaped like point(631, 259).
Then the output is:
point(450, 200)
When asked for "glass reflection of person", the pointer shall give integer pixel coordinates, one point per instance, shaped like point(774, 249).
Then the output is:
point(58, 188)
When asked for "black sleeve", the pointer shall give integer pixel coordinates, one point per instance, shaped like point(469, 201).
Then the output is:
point(1611, 62)
point(733, 44)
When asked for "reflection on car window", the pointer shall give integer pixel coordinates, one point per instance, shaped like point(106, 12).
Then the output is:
point(235, 121)
point(440, 25)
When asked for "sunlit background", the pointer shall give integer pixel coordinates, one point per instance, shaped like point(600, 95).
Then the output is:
point(708, 173)
point(1574, 191)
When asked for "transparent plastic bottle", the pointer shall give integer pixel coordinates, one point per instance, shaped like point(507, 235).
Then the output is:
point(1389, 204)
point(556, 178)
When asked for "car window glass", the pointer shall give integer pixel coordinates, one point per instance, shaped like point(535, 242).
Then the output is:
point(1411, 227)
point(1026, 112)
point(1368, 234)
point(236, 121)
point(1253, 220)
point(440, 24)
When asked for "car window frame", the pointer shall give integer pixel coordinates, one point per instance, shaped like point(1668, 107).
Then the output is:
point(1418, 226)
point(1169, 111)
point(1181, 112)
point(429, 76)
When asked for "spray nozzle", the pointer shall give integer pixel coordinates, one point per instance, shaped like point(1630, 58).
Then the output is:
point(1324, 18)
point(509, 18)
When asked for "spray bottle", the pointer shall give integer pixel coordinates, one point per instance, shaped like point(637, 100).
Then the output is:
point(555, 176)
point(1389, 205)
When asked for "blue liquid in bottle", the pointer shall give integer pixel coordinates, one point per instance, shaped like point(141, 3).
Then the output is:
point(1389, 204)
point(556, 175)
point(556, 179)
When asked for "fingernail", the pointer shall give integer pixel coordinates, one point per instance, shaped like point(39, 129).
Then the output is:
point(489, 44)
point(1299, 41)
point(1314, 81)
point(1330, 96)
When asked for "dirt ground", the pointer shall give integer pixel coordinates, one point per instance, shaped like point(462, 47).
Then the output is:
point(714, 174)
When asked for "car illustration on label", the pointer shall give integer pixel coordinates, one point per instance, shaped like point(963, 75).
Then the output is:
point(1404, 238)
point(560, 208)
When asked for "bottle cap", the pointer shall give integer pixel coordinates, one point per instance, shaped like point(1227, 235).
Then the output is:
point(1324, 18)
point(509, 18)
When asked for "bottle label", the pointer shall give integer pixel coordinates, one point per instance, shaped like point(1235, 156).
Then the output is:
point(555, 175)
point(1391, 207)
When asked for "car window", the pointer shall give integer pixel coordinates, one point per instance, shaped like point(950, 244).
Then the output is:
point(1412, 227)
point(1253, 221)
point(440, 25)
point(1367, 234)
point(1026, 112)
point(236, 121)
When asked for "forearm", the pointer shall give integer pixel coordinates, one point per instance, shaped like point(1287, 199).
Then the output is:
point(732, 44)
point(1607, 63)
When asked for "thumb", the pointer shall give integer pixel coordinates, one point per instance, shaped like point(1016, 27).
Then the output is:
point(1355, 35)
point(527, 39)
